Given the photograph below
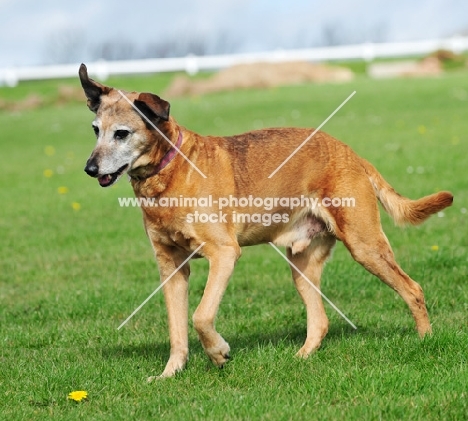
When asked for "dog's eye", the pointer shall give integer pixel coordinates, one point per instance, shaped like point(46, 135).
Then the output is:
point(121, 134)
point(96, 130)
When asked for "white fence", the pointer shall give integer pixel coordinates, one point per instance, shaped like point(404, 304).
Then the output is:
point(193, 64)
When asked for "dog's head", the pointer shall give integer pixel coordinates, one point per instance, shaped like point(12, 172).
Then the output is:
point(123, 126)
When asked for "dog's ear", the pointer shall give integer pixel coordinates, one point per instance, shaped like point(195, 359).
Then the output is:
point(93, 90)
point(153, 106)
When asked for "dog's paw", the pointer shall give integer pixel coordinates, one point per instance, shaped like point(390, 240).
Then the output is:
point(162, 376)
point(306, 351)
point(175, 364)
point(219, 354)
point(302, 353)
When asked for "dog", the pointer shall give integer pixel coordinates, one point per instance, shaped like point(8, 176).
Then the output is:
point(165, 161)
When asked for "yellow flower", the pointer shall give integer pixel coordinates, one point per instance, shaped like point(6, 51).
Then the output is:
point(62, 190)
point(422, 129)
point(435, 248)
point(76, 206)
point(49, 150)
point(48, 173)
point(78, 395)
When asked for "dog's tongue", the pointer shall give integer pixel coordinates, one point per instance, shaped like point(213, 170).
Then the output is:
point(104, 180)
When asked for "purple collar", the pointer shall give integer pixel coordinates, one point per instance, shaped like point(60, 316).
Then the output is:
point(166, 159)
point(170, 154)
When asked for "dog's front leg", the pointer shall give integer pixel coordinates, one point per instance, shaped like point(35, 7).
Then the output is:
point(222, 260)
point(176, 297)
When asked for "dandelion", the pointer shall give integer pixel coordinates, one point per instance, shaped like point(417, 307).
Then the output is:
point(62, 190)
point(422, 129)
point(295, 114)
point(70, 157)
point(78, 395)
point(48, 173)
point(435, 248)
point(76, 206)
point(49, 150)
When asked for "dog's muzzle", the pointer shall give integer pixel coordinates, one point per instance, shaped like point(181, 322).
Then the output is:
point(92, 168)
point(105, 180)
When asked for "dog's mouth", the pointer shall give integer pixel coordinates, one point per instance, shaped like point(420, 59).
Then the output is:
point(107, 180)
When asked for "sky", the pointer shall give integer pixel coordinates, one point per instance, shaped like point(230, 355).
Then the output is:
point(50, 31)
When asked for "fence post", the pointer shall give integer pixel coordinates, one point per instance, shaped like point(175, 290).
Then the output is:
point(9, 77)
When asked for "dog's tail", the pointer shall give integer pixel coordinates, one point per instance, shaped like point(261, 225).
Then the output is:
point(401, 209)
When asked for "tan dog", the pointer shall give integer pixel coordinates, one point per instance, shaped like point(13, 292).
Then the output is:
point(237, 168)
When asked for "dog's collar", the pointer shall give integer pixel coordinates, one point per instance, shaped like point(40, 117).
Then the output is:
point(166, 159)
point(170, 154)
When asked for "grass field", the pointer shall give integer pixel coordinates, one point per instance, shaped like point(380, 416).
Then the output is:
point(75, 265)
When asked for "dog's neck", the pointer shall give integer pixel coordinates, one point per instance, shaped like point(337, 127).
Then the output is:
point(150, 171)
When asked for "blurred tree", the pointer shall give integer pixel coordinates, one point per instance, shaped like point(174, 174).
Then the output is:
point(339, 34)
point(66, 45)
point(115, 50)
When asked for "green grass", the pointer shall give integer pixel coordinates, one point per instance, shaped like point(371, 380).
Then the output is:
point(69, 277)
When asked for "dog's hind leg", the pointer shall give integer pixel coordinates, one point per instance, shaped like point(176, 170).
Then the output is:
point(222, 260)
point(176, 297)
point(377, 257)
point(310, 262)
point(360, 230)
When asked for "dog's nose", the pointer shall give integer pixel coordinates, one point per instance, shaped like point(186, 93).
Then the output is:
point(91, 168)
